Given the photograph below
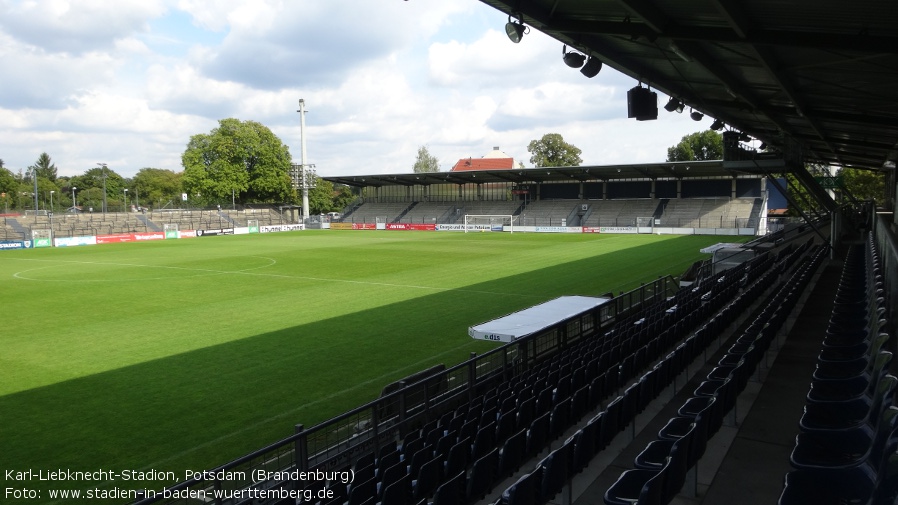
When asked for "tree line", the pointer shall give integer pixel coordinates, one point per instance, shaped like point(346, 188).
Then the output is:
point(237, 163)
point(244, 163)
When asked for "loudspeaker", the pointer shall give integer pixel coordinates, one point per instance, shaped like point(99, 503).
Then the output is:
point(592, 68)
point(642, 103)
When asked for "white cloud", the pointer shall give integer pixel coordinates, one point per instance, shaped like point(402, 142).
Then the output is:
point(490, 61)
point(128, 83)
point(76, 26)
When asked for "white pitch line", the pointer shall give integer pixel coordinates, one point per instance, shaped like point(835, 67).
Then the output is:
point(248, 271)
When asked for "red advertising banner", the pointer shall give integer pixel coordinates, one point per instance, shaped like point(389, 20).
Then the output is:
point(364, 226)
point(115, 239)
point(590, 229)
point(411, 226)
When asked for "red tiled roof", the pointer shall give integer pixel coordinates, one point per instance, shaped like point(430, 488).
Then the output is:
point(466, 164)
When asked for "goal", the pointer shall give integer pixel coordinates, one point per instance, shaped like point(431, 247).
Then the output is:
point(489, 222)
point(41, 237)
point(645, 224)
point(171, 230)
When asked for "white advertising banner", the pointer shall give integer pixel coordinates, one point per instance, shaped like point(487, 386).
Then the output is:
point(281, 227)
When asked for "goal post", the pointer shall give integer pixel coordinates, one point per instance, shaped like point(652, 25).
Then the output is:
point(489, 222)
point(41, 237)
point(645, 224)
point(171, 230)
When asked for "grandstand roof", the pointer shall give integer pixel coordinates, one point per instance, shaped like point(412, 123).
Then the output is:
point(641, 171)
point(814, 76)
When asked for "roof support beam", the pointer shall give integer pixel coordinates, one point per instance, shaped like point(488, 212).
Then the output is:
point(659, 22)
point(834, 41)
point(740, 23)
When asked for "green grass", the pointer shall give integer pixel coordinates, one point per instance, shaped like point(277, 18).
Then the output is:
point(184, 354)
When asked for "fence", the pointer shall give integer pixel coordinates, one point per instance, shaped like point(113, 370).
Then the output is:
point(335, 444)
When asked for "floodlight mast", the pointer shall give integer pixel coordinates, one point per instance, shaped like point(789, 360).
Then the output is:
point(304, 179)
point(34, 175)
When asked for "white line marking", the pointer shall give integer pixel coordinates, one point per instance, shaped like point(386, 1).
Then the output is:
point(248, 271)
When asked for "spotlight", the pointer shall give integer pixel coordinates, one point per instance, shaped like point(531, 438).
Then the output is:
point(572, 59)
point(674, 105)
point(642, 104)
point(696, 115)
point(515, 30)
point(717, 125)
point(592, 68)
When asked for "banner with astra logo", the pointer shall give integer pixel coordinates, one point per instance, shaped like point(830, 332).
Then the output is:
point(411, 226)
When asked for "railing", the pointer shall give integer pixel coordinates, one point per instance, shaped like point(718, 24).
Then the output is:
point(336, 443)
point(705, 222)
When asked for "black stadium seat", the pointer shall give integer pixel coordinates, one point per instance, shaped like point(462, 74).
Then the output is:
point(525, 491)
point(482, 476)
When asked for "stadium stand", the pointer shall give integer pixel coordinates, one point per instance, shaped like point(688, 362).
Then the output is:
point(98, 223)
point(846, 449)
point(550, 213)
point(428, 212)
point(370, 212)
point(686, 213)
point(709, 213)
point(619, 212)
point(488, 208)
point(682, 212)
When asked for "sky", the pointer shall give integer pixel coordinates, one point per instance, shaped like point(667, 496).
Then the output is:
point(128, 82)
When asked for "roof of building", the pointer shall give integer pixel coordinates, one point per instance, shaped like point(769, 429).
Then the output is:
point(483, 164)
point(493, 160)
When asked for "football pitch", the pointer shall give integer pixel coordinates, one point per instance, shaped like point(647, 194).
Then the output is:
point(185, 354)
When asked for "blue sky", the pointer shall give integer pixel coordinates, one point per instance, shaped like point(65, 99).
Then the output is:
point(127, 82)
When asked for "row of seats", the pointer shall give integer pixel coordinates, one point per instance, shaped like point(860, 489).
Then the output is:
point(460, 456)
point(662, 468)
point(549, 476)
point(845, 451)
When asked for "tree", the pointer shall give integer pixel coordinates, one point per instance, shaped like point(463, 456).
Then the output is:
point(425, 162)
point(699, 146)
point(156, 186)
point(44, 167)
point(321, 197)
point(343, 196)
point(8, 185)
point(552, 151)
point(864, 184)
point(91, 184)
point(243, 158)
point(326, 197)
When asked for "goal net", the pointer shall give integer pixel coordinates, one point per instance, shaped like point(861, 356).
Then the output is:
point(645, 224)
point(171, 230)
point(474, 222)
point(41, 238)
